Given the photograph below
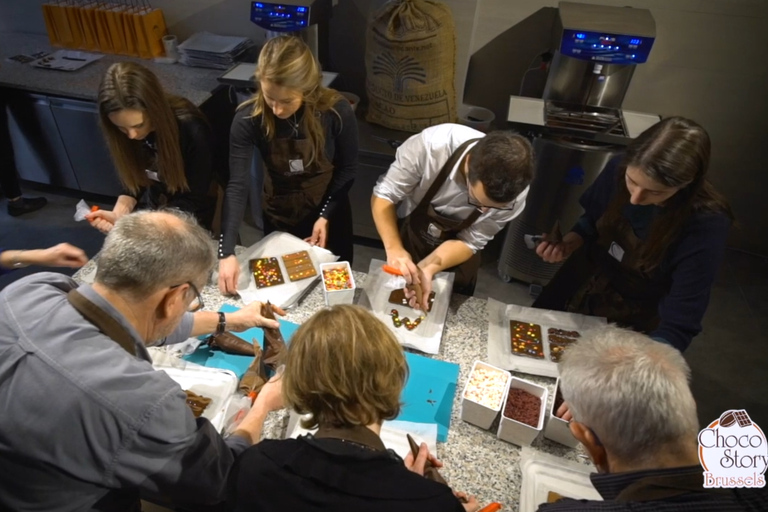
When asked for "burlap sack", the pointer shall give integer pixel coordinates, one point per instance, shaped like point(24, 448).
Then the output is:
point(410, 65)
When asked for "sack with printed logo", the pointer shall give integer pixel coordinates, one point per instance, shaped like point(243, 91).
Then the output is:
point(410, 65)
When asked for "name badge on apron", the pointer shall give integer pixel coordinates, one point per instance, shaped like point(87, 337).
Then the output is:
point(152, 175)
point(616, 251)
point(296, 166)
point(434, 231)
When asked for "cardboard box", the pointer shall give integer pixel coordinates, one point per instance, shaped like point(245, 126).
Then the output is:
point(513, 431)
point(475, 412)
point(333, 297)
point(557, 429)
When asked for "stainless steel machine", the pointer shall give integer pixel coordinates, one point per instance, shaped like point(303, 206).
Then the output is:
point(578, 125)
point(309, 19)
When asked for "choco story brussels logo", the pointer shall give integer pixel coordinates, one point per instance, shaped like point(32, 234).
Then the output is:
point(733, 452)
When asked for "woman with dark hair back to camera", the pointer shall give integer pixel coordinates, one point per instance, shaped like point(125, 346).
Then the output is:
point(345, 372)
point(307, 136)
point(649, 245)
point(160, 144)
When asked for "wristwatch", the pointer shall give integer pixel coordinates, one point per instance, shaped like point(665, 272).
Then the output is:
point(222, 325)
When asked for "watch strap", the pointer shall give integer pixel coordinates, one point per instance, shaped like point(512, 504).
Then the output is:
point(222, 325)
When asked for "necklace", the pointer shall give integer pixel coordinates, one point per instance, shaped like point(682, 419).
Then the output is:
point(294, 124)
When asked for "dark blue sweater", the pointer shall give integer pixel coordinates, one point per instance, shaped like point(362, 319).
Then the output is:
point(691, 264)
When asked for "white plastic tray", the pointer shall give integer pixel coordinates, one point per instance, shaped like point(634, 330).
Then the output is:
point(427, 336)
point(543, 473)
point(499, 345)
point(276, 245)
point(216, 384)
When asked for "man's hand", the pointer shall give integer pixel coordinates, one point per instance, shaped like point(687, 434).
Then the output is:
point(250, 316)
point(402, 261)
point(103, 220)
point(555, 253)
point(417, 465)
point(418, 296)
point(229, 273)
point(319, 233)
point(564, 412)
point(469, 503)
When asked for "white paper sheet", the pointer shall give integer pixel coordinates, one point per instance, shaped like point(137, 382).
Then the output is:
point(276, 245)
point(499, 345)
point(428, 335)
point(393, 434)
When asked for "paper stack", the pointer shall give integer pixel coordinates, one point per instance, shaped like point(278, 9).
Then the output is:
point(206, 50)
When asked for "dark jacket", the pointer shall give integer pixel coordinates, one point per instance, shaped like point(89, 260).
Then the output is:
point(310, 474)
point(683, 488)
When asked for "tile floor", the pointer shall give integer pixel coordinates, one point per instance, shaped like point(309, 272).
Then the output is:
point(729, 359)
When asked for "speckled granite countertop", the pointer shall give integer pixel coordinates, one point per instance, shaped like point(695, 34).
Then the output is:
point(195, 84)
point(475, 460)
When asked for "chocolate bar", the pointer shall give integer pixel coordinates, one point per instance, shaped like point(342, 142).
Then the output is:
point(266, 272)
point(526, 339)
point(299, 266)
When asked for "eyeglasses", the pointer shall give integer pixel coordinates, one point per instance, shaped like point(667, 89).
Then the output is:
point(197, 303)
point(472, 201)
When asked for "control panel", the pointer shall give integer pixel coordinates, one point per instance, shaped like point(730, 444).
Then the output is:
point(608, 48)
point(281, 17)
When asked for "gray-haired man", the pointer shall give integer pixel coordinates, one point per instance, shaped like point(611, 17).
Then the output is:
point(87, 424)
point(634, 413)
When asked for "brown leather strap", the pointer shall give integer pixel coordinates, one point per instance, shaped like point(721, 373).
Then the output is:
point(105, 323)
point(358, 435)
point(445, 171)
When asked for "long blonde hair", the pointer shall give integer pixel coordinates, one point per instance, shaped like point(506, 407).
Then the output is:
point(127, 85)
point(287, 61)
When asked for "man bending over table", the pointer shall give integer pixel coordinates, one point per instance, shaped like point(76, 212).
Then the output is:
point(88, 424)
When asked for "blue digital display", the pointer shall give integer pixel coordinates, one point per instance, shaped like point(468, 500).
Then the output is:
point(607, 48)
point(279, 17)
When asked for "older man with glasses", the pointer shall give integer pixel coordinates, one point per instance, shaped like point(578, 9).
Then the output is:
point(634, 413)
point(456, 188)
point(88, 424)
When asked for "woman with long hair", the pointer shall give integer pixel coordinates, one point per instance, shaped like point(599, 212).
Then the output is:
point(160, 144)
point(649, 245)
point(345, 372)
point(306, 135)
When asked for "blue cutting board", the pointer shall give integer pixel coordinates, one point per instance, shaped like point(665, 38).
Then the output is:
point(205, 356)
point(429, 393)
point(427, 397)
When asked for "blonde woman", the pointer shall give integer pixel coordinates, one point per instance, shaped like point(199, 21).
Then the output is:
point(346, 371)
point(160, 144)
point(307, 136)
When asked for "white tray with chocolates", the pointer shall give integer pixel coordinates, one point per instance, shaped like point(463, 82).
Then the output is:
point(279, 268)
point(412, 327)
point(531, 340)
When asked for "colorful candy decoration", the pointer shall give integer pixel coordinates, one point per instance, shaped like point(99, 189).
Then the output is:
point(399, 322)
point(337, 279)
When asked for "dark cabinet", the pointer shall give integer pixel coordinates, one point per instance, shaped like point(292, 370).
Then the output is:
point(369, 169)
point(57, 141)
point(39, 151)
point(78, 123)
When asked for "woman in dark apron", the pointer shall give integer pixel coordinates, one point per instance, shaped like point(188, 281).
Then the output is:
point(649, 245)
point(160, 144)
point(307, 136)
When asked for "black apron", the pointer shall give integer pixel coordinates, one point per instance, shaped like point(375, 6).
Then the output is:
point(425, 229)
point(293, 190)
point(654, 488)
point(124, 500)
point(605, 278)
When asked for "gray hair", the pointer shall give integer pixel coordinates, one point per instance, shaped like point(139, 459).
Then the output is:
point(632, 391)
point(149, 250)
